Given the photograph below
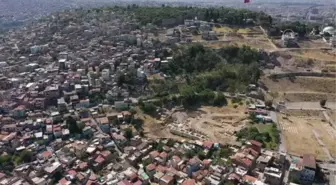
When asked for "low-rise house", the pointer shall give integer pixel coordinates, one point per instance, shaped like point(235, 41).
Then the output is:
point(99, 163)
point(19, 112)
point(104, 124)
point(150, 170)
point(263, 161)
point(166, 180)
point(307, 174)
point(273, 176)
point(53, 168)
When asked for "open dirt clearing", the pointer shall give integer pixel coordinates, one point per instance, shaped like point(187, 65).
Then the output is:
point(219, 124)
point(253, 43)
point(312, 43)
point(308, 96)
point(317, 54)
point(308, 134)
point(153, 127)
point(312, 84)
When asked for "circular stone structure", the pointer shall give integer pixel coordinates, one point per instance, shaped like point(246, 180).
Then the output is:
point(329, 29)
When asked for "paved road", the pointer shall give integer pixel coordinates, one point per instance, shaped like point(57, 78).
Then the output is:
point(282, 146)
point(328, 166)
point(332, 178)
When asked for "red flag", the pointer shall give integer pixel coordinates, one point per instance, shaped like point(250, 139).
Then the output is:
point(246, 1)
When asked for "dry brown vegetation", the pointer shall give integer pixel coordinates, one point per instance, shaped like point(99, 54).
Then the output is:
point(300, 138)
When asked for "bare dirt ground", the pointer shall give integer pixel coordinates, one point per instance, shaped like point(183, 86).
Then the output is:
point(154, 128)
point(253, 43)
point(291, 96)
point(219, 124)
point(251, 36)
point(308, 43)
point(319, 43)
point(308, 134)
point(323, 55)
point(304, 84)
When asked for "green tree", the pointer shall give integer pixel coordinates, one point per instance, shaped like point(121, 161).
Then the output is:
point(73, 126)
point(323, 102)
point(148, 108)
point(207, 96)
point(133, 111)
point(188, 95)
point(128, 133)
point(225, 152)
point(220, 99)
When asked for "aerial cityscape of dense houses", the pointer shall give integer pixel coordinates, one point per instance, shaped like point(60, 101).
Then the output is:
point(59, 127)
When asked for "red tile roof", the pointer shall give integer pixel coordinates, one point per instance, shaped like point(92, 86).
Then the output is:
point(124, 182)
point(132, 176)
point(161, 168)
point(163, 155)
point(137, 183)
point(247, 162)
point(308, 160)
point(20, 107)
point(72, 172)
point(205, 172)
point(176, 158)
point(206, 161)
point(46, 154)
point(256, 143)
point(150, 167)
point(83, 165)
point(118, 136)
point(154, 154)
point(80, 176)
point(189, 182)
point(90, 182)
point(93, 177)
point(63, 181)
point(208, 144)
point(2, 175)
point(103, 120)
point(99, 159)
point(234, 176)
point(106, 153)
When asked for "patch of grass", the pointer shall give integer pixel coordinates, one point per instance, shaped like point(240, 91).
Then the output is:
point(223, 29)
point(272, 131)
point(244, 30)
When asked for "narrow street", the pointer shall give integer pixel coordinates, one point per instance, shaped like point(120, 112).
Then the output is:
point(100, 131)
point(282, 145)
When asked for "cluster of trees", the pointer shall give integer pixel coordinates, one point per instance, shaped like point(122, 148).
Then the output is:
point(300, 28)
point(96, 98)
point(269, 138)
point(8, 162)
point(190, 97)
point(172, 16)
point(206, 71)
point(74, 126)
point(128, 133)
point(253, 133)
point(147, 107)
